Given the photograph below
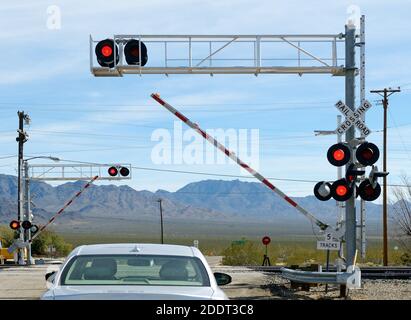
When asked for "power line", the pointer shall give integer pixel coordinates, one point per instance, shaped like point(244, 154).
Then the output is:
point(207, 173)
point(399, 134)
point(8, 157)
point(182, 105)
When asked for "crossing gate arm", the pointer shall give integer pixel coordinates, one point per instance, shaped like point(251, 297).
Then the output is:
point(232, 156)
point(68, 203)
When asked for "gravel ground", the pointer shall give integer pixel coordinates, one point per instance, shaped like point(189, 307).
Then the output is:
point(260, 285)
point(371, 290)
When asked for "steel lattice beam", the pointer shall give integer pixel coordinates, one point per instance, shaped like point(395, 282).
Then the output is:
point(228, 54)
point(70, 172)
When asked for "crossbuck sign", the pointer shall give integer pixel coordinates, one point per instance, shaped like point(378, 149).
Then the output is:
point(353, 117)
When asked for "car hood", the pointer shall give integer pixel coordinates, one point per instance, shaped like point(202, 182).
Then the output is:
point(129, 293)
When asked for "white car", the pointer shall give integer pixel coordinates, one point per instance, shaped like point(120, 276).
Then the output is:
point(135, 271)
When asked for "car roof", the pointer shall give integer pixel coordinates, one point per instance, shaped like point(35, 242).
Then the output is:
point(136, 248)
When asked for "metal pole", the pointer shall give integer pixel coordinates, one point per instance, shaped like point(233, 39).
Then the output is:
point(340, 204)
point(161, 220)
point(350, 216)
point(362, 97)
point(27, 233)
point(327, 268)
point(20, 195)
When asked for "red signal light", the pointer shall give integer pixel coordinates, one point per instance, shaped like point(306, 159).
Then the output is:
point(341, 191)
point(106, 51)
point(112, 171)
point(367, 154)
point(26, 225)
point(368, 192)
point(124, 171)
point(339, 154)
point(132, 51)
point(15, 225)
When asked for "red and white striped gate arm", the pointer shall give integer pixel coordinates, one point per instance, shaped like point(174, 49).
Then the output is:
point(64, 207)
point(232, 155)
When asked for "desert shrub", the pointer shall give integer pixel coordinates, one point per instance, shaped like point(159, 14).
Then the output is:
point(50, 238)
point(242, 254)
point(406, 259)
point(6, 236)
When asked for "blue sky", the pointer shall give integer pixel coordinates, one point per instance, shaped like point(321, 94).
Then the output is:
point(77, 116)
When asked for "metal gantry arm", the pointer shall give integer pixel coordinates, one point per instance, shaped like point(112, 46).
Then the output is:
point(228, 54)
point(70, 172)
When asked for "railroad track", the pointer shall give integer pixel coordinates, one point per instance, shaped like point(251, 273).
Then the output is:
point(366, 272)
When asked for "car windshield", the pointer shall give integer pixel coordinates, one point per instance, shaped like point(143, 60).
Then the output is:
point(147, 270)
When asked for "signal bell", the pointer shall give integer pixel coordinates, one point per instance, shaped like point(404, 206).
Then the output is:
point(339, 154)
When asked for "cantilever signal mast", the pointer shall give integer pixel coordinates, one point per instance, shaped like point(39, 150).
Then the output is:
point(232, 156)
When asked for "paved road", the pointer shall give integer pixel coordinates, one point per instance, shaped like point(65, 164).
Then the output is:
point(24, 282)
point(29, 283)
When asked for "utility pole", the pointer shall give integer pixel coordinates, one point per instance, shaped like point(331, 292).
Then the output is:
point(161, 220)
point(385, 93)
point(21, 139)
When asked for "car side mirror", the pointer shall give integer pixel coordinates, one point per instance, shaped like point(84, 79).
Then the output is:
point(50, 276)
point(222, 278)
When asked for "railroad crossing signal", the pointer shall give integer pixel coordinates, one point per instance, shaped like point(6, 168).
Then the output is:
point(116, 170)
point(14, 224)
point(341, 190)
point(108, 54)
point(353, 117)
point(106, 51)
point(367, 153)
point(26, 225)
point(132, 52)
point(339, 154)
point(370, 189)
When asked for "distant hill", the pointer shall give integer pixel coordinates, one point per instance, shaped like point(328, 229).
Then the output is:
point(252, 200)
point(215, 200)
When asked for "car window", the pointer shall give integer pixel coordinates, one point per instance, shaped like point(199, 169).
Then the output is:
point(148, 270)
